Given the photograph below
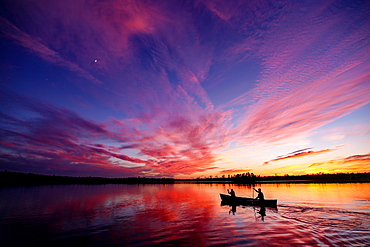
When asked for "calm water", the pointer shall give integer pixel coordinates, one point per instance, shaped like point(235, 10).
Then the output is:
point(183, 215)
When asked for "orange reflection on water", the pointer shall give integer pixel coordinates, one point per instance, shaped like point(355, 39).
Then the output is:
point(336, 193)
point(185, 215)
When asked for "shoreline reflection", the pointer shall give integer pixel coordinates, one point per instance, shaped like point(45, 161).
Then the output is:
point(183, 215)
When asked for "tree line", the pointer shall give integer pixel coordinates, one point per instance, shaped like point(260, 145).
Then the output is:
point(241, 178)
point(8, 178)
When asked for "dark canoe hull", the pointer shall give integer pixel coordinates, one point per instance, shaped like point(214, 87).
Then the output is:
point(226, 199)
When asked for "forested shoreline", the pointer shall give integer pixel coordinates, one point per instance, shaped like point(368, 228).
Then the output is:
point(8, 178)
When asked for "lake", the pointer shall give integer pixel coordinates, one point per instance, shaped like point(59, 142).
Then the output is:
point(334, 214)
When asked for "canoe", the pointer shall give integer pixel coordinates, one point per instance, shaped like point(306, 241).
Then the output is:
point(226, 199)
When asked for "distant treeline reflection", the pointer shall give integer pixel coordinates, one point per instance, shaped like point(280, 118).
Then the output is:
point(8, 178)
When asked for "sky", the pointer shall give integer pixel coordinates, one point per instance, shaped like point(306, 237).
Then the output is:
point(184, 89)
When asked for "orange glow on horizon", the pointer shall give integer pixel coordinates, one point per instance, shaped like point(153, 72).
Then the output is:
point(330, 167)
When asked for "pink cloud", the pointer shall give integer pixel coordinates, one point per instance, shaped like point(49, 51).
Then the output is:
point(171, 115)
point(358, 159)
point(309, 108)
point(152, 63)
point(124, 38)
point(183, 145)
point(311, 72)
point(57, 136)
point(66, 140)
point(360, 162)
point(298, 154)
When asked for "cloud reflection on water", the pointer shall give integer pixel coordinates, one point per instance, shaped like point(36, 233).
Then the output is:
point(183, 215)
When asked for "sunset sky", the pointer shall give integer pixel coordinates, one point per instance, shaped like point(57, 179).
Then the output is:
point(163, 88)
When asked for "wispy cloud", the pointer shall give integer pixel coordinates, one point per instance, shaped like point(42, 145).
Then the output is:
point(312, 73)
point(298, 154)
point(111, 43)
point(68, 141)
point(161, 65)
point(353, 163)
point(53, 138)
point(363, 159)
point(309, 108)
point(50, 55)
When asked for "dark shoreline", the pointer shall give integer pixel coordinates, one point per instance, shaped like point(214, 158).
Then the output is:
point(8, 178)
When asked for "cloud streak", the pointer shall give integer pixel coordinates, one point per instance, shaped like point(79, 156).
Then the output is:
point(43, 51)
point(169, 70)
point(52, 138)
point(354, 163)
point(363, 159)
point(310, 75)
point(298, 154)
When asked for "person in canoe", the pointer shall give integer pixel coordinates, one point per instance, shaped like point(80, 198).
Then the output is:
point(260, 195)
point(231, 192)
